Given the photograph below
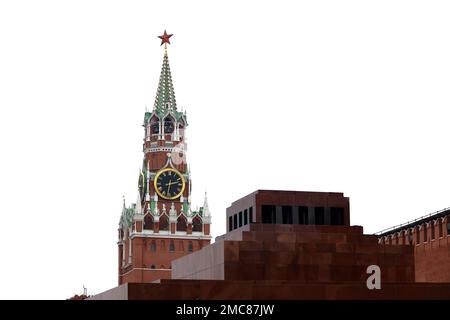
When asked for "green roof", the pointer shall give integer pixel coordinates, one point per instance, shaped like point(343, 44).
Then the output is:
point(165, 95)
point(165, 102)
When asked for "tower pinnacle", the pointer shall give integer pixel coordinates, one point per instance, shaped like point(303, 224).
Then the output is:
point(165, 94)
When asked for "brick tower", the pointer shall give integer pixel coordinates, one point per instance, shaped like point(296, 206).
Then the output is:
point(161, 226)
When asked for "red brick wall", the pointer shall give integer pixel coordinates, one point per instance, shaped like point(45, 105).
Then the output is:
point(143, 258)
point(433, 261)
point(144, 275)
point(431, 256)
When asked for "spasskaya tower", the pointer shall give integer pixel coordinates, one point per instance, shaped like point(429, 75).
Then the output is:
point(161, 226)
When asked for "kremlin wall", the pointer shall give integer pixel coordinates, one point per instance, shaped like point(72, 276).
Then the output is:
point(300, 245)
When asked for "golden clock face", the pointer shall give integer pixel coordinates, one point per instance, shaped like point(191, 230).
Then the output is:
point(169, 183)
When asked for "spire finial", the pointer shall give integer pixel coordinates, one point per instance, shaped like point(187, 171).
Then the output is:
point(165, 40)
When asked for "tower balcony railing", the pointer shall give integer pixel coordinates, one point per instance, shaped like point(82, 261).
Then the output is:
point(158, 149)
point(167, 136)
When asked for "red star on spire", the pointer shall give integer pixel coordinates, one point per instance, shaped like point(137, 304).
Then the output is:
point(165, 38)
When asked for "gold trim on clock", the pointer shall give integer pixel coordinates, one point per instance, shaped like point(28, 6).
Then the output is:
point(177, 173)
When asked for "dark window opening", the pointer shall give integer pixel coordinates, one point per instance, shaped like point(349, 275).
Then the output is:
point(337, 216)
point(440, 228)
point(268, 214)
point(172, 246)
point(230, 223)
point(148, 222)
point(250, 214)
point(235, 221)
point(153, 266)
point(240, 218)
point(245, 217)
point(168, 125)
point(319, 215)
point(190, 247)
point(303, 215)
point(197, 224)
point(163, 223)
point(448, 228)
point(155, 128)
point(286, 214)
point(181, 223)
point(425, 233)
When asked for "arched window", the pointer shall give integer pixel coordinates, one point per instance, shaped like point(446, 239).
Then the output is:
point(197, 224)
point(440, 228)
point(154, 127)
point(181, 223)
point(148, 222)
point(172, 246)
point(168, 125)
point(153, 246)
point(190, 247)
point(153, 266)
point(163, 223)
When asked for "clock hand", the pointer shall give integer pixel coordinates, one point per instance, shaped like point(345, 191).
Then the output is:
point(168, 186)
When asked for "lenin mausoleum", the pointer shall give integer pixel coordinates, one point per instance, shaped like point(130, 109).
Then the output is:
point(277, 245)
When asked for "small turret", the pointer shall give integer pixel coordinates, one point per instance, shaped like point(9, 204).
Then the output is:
point(206, 214)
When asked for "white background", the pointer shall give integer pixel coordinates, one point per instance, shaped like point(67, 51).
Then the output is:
point(346, 96)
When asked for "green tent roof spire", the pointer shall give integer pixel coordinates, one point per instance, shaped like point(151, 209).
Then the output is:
point(165, 95)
